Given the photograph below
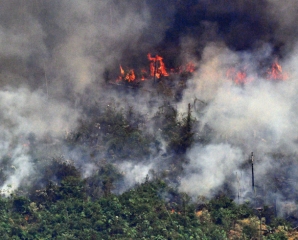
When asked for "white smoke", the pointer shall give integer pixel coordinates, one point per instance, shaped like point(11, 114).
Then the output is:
point(258, 116)
point(134, 173)
point(21, 168)
point(53, 55)
point(24, 113)
point(209, 167)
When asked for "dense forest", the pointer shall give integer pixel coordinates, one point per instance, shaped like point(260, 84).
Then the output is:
point(151, 210)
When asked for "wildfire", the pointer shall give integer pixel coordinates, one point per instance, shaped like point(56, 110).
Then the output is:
point(143, 72)
point(122, 71)
point(157, 69)
point(189, 68)
point(157, 66)
point(238, 77)
point(130, 76)
point(276, 73)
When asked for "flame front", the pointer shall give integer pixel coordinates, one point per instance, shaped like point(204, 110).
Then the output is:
point(275, 72)
point(157, 69)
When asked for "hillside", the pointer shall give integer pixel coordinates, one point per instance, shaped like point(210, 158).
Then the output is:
point(151, 210)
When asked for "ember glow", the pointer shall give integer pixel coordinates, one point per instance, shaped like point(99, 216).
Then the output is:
point(190, 67)
point(238, 77)
point(276, 72)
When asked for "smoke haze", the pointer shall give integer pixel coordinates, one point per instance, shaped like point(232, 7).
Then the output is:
point(57, 58)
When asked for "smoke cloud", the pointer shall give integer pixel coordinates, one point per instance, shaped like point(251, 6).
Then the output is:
point(258, 117)
point(57, 59)
point(53, 55)
point(209, 167)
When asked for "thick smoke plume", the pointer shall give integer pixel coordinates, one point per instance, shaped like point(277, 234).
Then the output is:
point(59, 58)
point(53, 55)
point(258, 116)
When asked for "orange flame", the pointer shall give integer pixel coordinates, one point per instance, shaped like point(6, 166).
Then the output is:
point(276, 73)
point(122, 71)
point(238, 77)
point(143, 72)
point(130, 76)
point(173, 211)
point(189, 68)
point(273, 73)
point(157, 66)
point(157, 69)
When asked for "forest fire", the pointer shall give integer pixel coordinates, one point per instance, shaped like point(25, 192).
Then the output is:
point(157, 69)
point(130, 76)
point(190, 67)
point(157, 66)
point(240, 77)
point(276, 72)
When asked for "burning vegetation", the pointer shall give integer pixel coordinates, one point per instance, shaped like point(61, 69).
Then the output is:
point(136, 119)
point(273, 73)
point(276, 72)
point(156, 70)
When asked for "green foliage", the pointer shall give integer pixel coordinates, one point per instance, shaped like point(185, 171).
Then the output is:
point(250, 231)
point(175, 129)
point(61, 205)
point(72, 187)
point(279, 222)
point(225, 212)
point(21, 204)
point(102, 182)
point(117, 131)
point(140, 213)
point(277, 236)
point(58, 169)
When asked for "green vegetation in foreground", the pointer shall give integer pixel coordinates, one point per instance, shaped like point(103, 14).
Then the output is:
point(62, 205)
point(150, 211)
